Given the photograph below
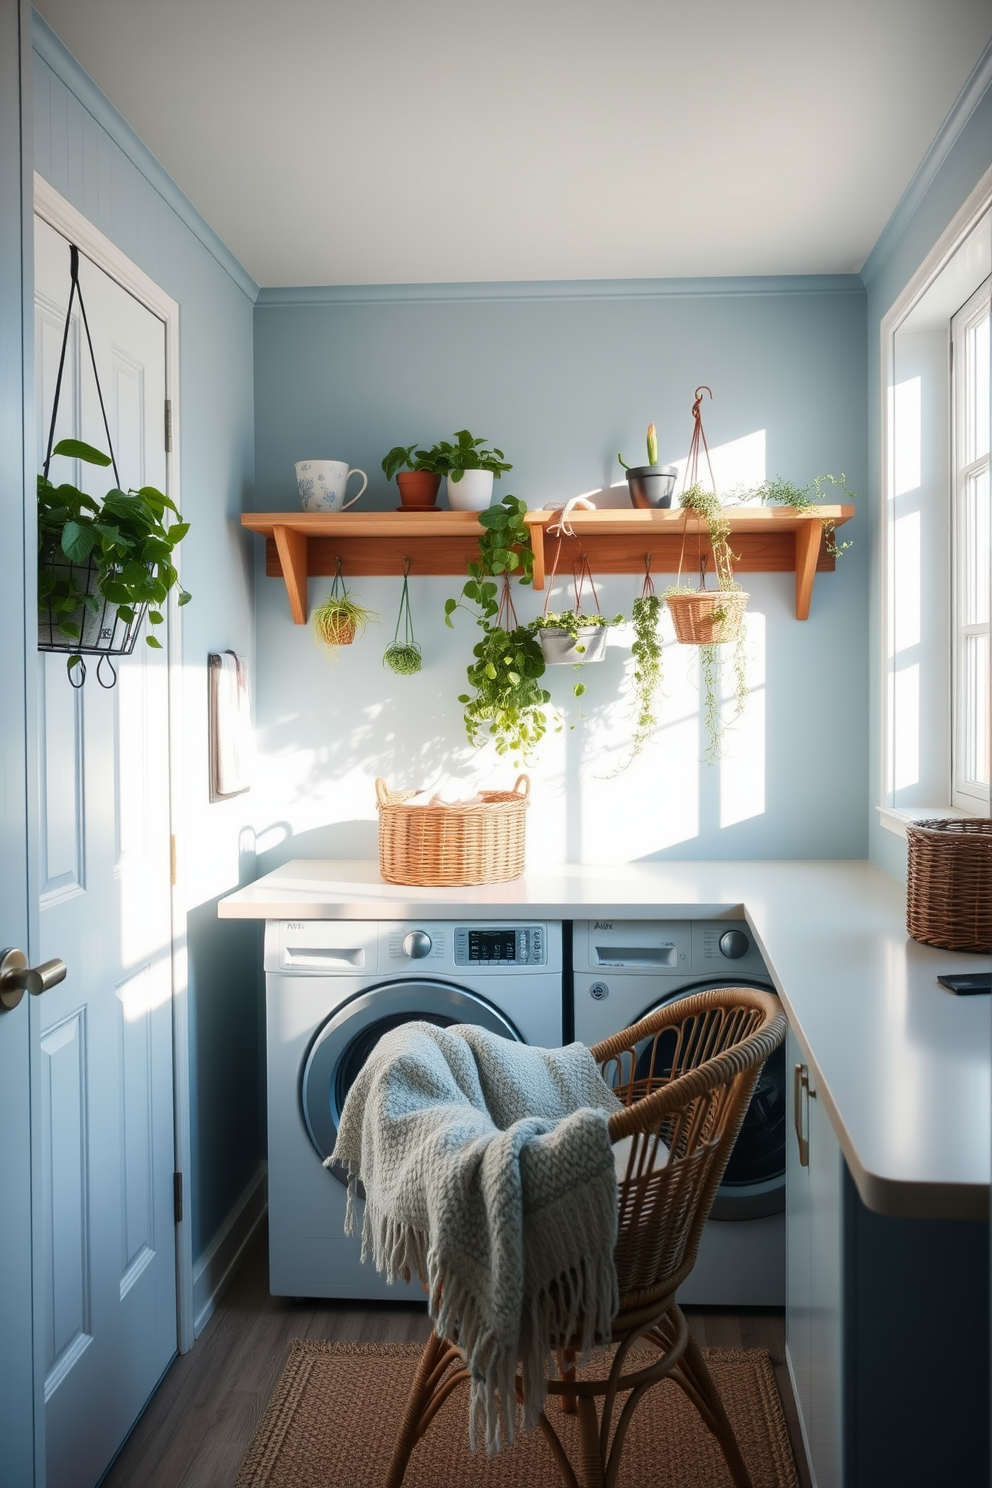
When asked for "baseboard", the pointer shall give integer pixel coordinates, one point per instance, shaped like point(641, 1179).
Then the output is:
point(214, 1269)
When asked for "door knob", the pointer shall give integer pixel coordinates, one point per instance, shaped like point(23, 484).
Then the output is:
point(17, 977)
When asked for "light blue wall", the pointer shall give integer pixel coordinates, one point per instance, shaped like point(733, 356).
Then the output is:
point(959, 158)
point(561, 377)
point(90, 155)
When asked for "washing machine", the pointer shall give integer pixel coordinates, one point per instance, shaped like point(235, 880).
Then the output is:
point(623, 970)
point(332, 989)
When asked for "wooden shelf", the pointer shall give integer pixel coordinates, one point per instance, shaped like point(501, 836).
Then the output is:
point(765, 540)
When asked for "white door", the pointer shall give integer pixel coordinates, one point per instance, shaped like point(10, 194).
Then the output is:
point(109, 1258)
point(17, 1382)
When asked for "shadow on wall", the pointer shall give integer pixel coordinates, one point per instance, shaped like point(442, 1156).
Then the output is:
point(227, 1063)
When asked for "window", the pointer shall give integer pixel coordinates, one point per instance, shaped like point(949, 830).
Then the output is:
point(936, 530)
point(972, 552)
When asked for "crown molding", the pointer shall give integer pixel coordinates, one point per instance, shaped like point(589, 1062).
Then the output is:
point(565, 289)
point(944, 141)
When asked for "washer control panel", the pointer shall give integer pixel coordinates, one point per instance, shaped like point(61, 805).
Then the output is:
point(501, 945)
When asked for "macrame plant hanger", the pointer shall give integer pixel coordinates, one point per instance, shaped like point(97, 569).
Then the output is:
point(691, 478)
point(104, 653)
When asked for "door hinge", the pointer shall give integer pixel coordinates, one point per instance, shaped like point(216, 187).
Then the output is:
point(177, 1197)
point(173, 873)
point(168, 426)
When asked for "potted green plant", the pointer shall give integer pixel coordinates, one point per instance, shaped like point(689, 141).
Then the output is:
point(102, 565)
point(340, 618)
point(418, 475)
point(650, 485)
point(507, 702)
point(470, 468)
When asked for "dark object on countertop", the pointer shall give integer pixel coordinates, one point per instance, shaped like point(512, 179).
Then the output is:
point(949, 883)
point(966, 985)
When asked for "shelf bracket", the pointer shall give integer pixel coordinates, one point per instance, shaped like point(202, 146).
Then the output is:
point(292, 549)
point(808, 538)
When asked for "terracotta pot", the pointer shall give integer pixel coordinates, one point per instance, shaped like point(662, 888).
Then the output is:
point(418, 488)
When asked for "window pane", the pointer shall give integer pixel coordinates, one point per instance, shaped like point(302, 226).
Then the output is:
point(975, 550)
point(978, 379)
point(977, 743)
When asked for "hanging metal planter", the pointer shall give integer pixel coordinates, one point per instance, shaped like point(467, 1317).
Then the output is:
point(573, 643)
point(96, 628)
point(95, 583)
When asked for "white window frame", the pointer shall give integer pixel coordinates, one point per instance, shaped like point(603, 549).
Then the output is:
point(966, 794)
point(895, 819)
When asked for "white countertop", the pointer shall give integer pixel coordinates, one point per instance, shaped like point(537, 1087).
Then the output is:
point(902, 1066)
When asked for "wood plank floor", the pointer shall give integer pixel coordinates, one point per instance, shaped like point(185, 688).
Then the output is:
point(198, 1424)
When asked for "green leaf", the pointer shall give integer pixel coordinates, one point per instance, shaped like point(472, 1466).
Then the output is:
point(75, 449)
point(155, 644)
point(178, 531)
point(579, 689)
point(153, 615)
point(125, 613)
point(157, 498)
point(184, 597)
point(77, 542)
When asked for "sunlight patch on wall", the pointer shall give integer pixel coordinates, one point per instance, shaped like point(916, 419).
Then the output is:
point(743, 766)
point(906, 727)
point(907, 426)
point(741, 462)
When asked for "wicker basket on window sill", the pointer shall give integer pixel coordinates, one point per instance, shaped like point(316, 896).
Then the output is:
point(452, 846)
point(949, 883)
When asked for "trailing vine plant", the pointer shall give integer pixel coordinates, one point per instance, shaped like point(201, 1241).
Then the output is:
point(507, 703)
point(648, 661)
point(781, 492)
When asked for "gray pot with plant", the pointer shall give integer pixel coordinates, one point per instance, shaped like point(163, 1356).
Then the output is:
point(650, 485)
point(571, 639)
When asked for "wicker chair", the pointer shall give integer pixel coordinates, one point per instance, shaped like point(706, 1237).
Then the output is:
point(685, 1075)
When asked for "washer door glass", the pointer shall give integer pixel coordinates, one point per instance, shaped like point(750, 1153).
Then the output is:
point(754, 1181)
point(347, 1039)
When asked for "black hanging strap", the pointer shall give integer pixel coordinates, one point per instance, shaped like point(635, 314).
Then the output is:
point(75, 290)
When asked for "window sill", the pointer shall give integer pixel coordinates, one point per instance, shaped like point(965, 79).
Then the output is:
point(897, 818)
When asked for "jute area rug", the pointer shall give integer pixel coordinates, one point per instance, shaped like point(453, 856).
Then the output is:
point(334, 1415)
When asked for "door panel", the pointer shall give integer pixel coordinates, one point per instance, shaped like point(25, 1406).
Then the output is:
point(105, 908)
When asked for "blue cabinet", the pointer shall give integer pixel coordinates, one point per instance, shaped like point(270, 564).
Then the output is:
point(887, 1323)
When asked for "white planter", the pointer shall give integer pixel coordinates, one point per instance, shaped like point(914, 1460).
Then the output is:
point(474, 492)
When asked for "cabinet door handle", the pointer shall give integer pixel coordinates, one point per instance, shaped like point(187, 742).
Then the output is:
point(800, 1101)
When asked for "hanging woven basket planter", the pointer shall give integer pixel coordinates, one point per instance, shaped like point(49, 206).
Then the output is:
point(710, 617)
point(705, 617)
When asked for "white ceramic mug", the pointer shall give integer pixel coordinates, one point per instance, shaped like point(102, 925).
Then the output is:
point(322, 484)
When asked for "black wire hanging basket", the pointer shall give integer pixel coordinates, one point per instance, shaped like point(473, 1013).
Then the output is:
point(96, 628)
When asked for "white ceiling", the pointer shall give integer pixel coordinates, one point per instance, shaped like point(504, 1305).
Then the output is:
point(407, 141)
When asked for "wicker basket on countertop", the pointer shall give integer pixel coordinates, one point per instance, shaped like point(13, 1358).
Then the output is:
point(450, 846)
point(949, 883)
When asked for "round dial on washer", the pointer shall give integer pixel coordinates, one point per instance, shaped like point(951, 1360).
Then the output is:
point(417, 945)
point(733, 944)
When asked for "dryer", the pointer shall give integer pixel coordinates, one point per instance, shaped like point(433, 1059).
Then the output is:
point(333, 987)
point(623, 970)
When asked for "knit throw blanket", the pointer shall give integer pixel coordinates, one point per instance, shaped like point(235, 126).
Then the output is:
point(488, 1172)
